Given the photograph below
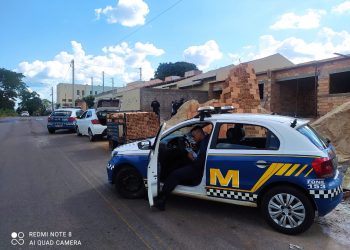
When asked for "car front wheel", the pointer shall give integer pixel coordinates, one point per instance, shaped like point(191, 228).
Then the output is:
point(288, 210)
point(78, 132)
point(92, 137)
point(129, 183)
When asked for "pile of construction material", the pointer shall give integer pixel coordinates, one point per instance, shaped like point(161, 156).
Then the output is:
point(134, 125)
point(335, 125)
point(240, 91)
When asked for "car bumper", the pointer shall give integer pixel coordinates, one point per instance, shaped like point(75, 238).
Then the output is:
point(61, 126)
point(110, 168)
point(326, 200)
point(99, 129)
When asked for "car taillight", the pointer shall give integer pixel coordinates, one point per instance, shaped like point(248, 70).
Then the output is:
point(71, 119)
point(323, 167)
point(95, 121)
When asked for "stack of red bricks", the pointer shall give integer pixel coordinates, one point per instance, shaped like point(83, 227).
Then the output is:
point(241, 90)
point(139, 125)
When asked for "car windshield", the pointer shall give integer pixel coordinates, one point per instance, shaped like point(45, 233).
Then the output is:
point(313, 136)
point(61, 113)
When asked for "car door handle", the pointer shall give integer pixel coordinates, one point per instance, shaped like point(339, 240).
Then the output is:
point(262, 164)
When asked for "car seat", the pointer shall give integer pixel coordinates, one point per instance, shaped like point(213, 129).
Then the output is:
point(235, 135)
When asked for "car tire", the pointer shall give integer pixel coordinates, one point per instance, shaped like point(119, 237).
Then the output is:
point(78, 132)
point(129, 183)
point(288, 210)
point(51, 130)
point(92, 137)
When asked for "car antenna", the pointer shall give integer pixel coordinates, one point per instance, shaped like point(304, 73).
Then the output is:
point(294, 123)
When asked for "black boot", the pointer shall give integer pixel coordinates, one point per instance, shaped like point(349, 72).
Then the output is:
point(159, 202)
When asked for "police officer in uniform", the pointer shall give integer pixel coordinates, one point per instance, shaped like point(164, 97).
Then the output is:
point(192, 172)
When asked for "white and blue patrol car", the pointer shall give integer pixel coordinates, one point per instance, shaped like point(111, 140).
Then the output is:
point(277, 163)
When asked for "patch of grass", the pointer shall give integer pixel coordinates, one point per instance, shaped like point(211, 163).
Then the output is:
point(7, 112)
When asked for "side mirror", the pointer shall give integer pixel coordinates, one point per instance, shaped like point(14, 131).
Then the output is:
point(144, 145)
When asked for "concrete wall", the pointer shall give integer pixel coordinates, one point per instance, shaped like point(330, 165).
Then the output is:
point(130, 100)
point(165, 96)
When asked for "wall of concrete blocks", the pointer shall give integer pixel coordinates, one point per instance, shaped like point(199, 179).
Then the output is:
point(166, 96)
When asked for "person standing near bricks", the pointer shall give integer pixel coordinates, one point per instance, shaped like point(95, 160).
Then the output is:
point(155, 106)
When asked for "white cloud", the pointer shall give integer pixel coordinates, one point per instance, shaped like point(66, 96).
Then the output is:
point(325, 44)
point(119, 61)
point(290, 20)
point(342, 8)
point(127, 12)
point(203, 55)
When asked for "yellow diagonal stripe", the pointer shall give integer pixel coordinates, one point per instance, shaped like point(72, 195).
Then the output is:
point(283, 169)
point(301, 170)
point(291, 171)
point(274, 167)
point(309, 172)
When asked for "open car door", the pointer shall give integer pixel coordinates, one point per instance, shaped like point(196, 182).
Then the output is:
point(153, 169)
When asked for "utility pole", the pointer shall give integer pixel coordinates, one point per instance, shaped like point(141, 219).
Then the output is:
point(73, 101)
point(140, 73)
point(112, 86)
point(52, 98)
point(92, 86)
point(103, 81)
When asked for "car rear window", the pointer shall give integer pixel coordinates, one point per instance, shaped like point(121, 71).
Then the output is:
point(313, 136)
point(61, 113)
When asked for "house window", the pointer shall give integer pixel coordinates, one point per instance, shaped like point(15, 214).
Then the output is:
point(339, 83)
point(90, 92)
point(82, 92)
point(63, 100)
point(95, 92)
point(78, 92)
point(69, 100)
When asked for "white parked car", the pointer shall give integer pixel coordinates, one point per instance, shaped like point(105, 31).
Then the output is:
point(25, 113)
point(92, 124)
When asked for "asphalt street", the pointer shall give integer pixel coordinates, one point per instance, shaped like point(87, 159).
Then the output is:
point(54, 194)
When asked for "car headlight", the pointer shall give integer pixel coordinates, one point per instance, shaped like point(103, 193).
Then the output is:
point(114, 153)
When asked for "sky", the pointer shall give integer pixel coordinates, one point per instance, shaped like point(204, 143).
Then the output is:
point(40, 38)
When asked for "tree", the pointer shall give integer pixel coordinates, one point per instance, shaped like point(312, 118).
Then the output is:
point(90, 100)
point(31, 102)
point(11, 85)
point(173, 69)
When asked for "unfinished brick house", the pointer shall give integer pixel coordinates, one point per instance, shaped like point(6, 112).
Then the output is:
point(306, 90)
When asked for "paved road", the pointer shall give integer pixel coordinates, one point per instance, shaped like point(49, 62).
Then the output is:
point(57, 183)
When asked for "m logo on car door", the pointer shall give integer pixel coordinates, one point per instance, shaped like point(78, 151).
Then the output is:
point(232, 176)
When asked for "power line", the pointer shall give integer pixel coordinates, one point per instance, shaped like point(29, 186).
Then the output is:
point(150, 21)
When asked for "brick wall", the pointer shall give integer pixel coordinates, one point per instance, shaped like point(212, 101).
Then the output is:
point(278, 99)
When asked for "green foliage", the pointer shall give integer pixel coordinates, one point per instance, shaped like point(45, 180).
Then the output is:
point(7, 112)
point(173, 69)
point(10, 85)
point(89, 101)
point(31, 102)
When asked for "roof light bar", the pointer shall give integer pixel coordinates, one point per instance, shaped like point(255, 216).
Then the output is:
point(226, 109)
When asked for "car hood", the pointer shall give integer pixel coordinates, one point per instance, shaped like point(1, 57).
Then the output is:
point(132, 148)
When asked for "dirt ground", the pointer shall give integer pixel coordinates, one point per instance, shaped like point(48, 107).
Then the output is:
point(337, 223)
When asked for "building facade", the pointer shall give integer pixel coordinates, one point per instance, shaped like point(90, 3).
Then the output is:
point(306, 90)
point(65, 97)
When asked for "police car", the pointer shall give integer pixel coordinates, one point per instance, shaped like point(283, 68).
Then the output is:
point(277, 163)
